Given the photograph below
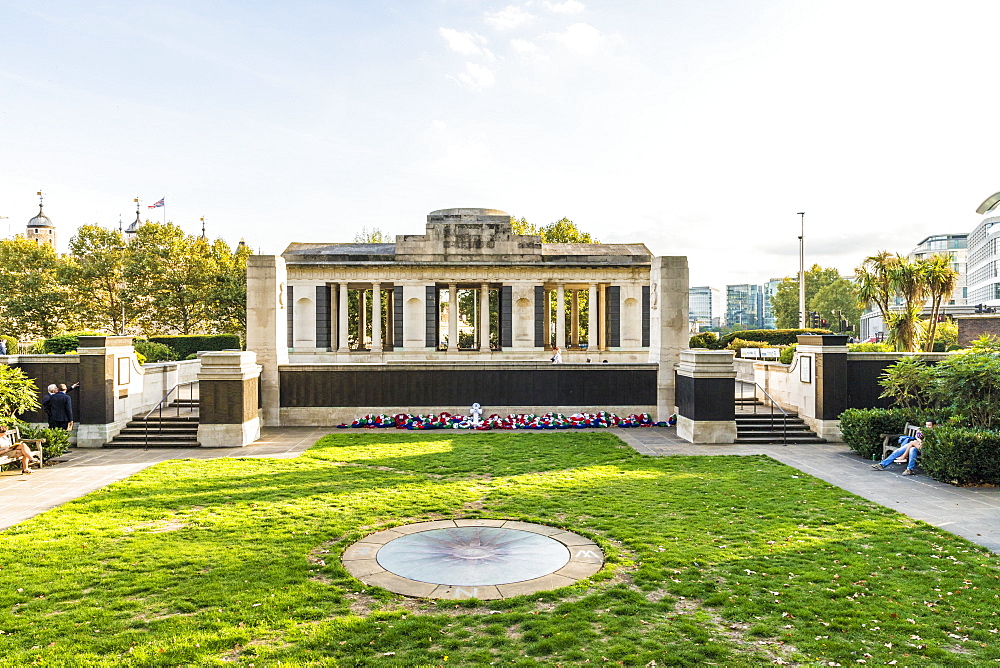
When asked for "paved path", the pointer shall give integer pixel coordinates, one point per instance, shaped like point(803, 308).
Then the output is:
point(973, 513)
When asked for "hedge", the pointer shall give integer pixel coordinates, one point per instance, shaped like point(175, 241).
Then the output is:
point(65, 343)
point(184, 346)
point(862, 428)
point(11, 342)
point(962, 455)
point(779, 337)
point(153, 352)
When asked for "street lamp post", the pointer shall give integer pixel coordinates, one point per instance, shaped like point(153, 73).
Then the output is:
point(802, 272)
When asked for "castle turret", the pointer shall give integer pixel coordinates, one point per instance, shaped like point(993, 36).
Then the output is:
point(40, 228)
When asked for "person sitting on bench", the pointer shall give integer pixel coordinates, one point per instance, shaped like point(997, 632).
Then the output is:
point(909, 449)
point(15, 451)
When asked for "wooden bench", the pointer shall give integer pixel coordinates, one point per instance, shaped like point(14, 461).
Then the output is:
point(34, 447)
point(890, 442)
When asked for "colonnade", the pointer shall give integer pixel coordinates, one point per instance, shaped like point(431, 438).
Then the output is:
point(601, 316)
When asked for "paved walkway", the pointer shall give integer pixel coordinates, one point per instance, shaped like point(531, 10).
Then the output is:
point(973, 513)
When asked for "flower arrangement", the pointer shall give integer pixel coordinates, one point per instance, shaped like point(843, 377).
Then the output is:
point(446, 420)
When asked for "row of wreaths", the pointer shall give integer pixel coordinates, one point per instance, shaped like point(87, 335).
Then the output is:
point(601, 419)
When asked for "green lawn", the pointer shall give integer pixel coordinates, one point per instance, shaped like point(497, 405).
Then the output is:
point(718, 560)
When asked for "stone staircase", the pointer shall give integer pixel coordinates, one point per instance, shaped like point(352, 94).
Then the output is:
point(177, 428)
point(759, 428)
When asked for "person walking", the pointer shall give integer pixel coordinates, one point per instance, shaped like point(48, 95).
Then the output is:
point(556, 355)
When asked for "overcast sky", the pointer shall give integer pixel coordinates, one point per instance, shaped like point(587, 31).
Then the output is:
point(697, 127)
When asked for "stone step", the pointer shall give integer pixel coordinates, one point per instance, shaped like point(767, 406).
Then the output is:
point(775, 438)
point(166, 418)
point(153, 444)
point(776, 427)
point(193, 436)
point(161, 426)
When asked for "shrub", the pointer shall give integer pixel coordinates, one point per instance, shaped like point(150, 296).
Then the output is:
point(787, 354)
point(708, 340)
point(773, 337)
point(911, 382)
point(56, 440)
point(11, 344)
point(969, 384)
point(863, 428)
point(65, 343)
point(740, 344)
point(18, 394)
point(184, 345)
point(153, 352)
point(962, 455)
point(869, 348)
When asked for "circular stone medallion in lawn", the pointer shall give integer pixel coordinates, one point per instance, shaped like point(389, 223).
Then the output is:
point(484, 559)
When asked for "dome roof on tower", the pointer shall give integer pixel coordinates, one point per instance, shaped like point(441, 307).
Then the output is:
point(41, 220)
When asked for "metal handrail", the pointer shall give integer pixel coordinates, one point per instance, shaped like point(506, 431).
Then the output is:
point(159, 407)
point(774, 404)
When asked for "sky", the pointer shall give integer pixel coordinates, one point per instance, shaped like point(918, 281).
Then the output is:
point(698, 128)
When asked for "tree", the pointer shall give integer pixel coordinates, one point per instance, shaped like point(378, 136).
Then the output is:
point(882, 277)
point(33, 300)
point(941, 279)
point(562, 231)
point(374, 236)
point(837, 303)
point(172, 271)
point(785, 302)
point(96, 273)
point(226, 293)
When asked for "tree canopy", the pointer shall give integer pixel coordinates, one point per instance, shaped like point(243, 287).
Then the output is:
point(785, 302)
point(562, 231)
point(162, 282)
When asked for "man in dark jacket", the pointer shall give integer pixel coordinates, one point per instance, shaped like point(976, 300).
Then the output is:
point(59, 407)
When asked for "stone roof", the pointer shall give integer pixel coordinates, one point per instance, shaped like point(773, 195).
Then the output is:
point(468, 236)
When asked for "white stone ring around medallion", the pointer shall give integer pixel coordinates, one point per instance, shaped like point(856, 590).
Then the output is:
point(483, 559)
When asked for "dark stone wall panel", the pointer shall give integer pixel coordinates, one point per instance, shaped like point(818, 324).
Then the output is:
point(490, 387)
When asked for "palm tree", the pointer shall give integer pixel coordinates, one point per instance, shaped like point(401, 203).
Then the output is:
point(884, 276)
point(874, 286)
point(940, 278)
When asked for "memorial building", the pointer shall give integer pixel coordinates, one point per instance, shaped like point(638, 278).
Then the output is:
point(467, 290)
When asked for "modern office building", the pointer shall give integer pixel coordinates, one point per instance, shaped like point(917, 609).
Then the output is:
point(983, 259)
point(770, 290)
point(705, 308)
point(745, 306)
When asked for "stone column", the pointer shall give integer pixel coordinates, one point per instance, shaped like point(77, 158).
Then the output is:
point(706, 396)
point(821, 378)
point(668, 324)
point(593, 335)
point(484, 317)
point(362, 317)
point(267, 327)
point(574, 320)
point(452, 316)
point(342, 327)
point(561, 316)
point(227, 391)
point(376, 317)
point(547, 332)
point(602, 332)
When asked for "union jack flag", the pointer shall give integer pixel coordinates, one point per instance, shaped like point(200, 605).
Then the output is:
point(158, 204)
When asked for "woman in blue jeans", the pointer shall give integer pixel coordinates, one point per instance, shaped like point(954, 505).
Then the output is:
point(910, 449)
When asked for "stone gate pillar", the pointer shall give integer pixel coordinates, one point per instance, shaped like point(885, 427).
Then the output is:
point(267, 327)
point(822, 382)
point(106, 368)
point(706, 396)
point(227, 391)
point(668, 325)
